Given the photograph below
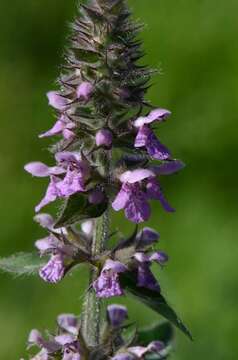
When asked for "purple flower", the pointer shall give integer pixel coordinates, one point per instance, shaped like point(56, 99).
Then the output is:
point(138, 352)
point(107, 285)
point(76, 172)
point(154, 191)
point(57, 101)
point(62, 126)
point(131, 197)
point(138, 186)
point(39, 169)
point(84, 91)
point(145, 278)
point(104, 137)
point(52, 193)
point(155, 115)
point(68, 322)
point(146, 138)
point(168, 168)
point(64, 343)
point(36, 339)
point(45, 220)
point(74, 169)
point(116, 314)
point(54, 270)
point(147, 237)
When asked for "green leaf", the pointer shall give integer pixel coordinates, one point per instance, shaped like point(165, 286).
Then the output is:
point(163, 332)
point(77, 208)
point(22, 264)
point(154, 300)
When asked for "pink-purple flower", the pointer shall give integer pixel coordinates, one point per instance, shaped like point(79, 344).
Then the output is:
point(108, 285)
point(65, 344)
point(63, 126)
point(67, 178)
point(138, 187)
point(84, 91)
point(104, 138)
point(138, 352)
point(146, 138)
point(116, 315)
point(57, 100)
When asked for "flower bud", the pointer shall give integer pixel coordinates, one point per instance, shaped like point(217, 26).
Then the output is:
point(104, 138)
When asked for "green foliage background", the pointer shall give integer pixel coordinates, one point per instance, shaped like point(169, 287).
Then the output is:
point(194, 43)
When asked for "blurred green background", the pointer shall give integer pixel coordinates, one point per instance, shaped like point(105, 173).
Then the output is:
point(194, 43)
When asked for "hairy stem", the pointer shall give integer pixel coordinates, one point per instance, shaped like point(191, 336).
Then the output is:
point(91, 318)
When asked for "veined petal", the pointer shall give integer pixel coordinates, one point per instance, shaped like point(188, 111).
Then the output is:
point(137, 208)
point(142, 136)
point(155, 149)
point(121, 198)
point(54, 270)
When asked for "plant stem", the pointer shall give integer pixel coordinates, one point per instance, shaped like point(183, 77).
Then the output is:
point(91, 317)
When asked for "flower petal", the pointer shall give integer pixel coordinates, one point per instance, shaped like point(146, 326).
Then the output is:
point(55, 130)
point(45, 220)
point(147, 236)
point(84, 90)
point(116, 314)
point(38, 169)
point(137, 175)
point(168, 168)
point(154, 192)
point(121, 199)
point(137, 208)
point(157, 114)
point(57, 101)
point(145, 278)
point(52, 193)
point(54, 270)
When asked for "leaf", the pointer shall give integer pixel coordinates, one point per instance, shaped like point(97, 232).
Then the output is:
point(77, 208)
point(22, 264)
point(154, 300)
point(161, 331)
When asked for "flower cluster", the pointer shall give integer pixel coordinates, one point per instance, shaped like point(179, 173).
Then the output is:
point(64, 254)
point(68, 342)
point(107, 155)
point(137, 262)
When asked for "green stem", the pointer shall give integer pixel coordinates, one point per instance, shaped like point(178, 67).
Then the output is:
point(91, 318)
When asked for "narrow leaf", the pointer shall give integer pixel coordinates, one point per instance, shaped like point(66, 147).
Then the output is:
point(22, 264)
point(154, 300)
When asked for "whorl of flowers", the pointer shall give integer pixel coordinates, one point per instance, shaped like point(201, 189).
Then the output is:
point(107, 157)
point(67, 343)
